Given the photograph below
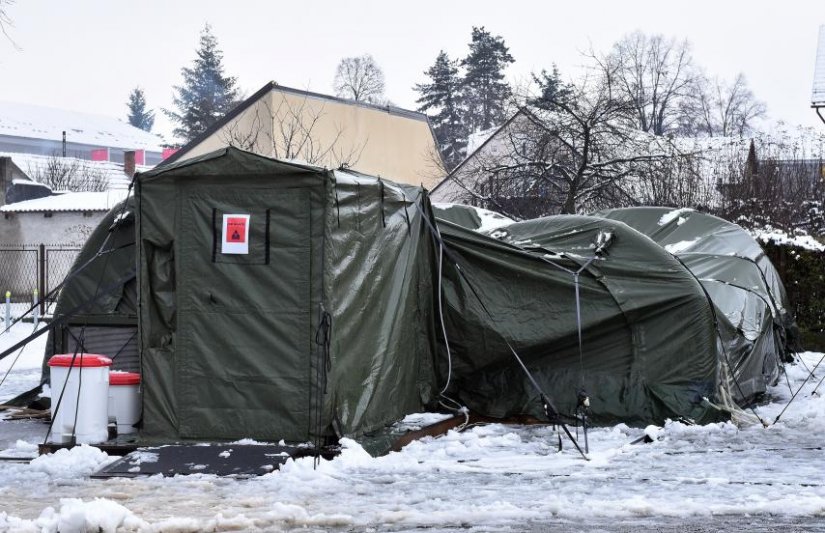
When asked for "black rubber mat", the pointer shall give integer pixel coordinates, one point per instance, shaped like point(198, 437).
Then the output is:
point(242, 460)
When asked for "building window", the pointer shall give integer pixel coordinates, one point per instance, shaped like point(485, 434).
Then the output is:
point(48, 214)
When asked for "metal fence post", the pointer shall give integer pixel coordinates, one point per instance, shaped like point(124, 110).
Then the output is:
point(36, 314)
point(42, 278)
point(8, 310)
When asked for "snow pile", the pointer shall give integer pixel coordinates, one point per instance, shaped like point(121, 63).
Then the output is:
point(21, 449)
point(80, 461)
point(777, 236)
point(98, 514)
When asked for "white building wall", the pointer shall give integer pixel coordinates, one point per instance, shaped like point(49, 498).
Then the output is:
point(72, 227)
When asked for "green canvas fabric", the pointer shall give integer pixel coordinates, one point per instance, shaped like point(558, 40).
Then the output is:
point(462, 215)
point(757, 331)
point(378, 253)
point(649, 348)
point(232, 345)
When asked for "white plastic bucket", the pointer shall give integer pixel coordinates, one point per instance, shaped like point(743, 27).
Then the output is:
point(83, 380)
point(124, 400)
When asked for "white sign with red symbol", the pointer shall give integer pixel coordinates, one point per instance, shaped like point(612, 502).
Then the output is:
point(235, 234)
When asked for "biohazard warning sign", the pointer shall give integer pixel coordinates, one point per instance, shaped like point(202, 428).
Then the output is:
point(235, 234)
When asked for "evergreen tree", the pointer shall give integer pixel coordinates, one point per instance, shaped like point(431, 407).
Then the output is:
point(552, 90)
point(443, 101)
point(206, 94)
point(139, 116)
point(484, 88)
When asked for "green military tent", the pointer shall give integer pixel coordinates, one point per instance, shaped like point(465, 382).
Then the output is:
point(266, 299)
point(318, 324)
point(630, 326)
point(682, 315)
point(280, 300)
point(755, 327)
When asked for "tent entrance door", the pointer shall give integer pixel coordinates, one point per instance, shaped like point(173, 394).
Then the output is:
point(244, 314)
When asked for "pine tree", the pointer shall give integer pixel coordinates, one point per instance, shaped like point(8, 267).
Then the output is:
point(139, 116)
point(552, 90)
point(485, 90)
point(206, 94)
point(443, 101)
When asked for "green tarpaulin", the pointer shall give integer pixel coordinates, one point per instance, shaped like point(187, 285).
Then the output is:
point(648, 346)
point(234, 344)
point(284, 301)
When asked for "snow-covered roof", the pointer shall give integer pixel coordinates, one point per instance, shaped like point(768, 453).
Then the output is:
point(39, 122)
point(70, 201)
point(31, 164)
point(818, 96)
point(477, 138)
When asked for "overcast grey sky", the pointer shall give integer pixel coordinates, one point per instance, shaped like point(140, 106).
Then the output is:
point(87, 55)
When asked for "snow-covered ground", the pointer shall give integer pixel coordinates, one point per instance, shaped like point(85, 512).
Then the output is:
point(490, 478)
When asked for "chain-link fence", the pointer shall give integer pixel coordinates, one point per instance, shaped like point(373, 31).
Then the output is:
point(27, 268)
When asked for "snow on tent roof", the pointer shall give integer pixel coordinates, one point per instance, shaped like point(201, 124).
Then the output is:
point(818, 96)
point(70, 201)
point(470, 217)
point(39, 122)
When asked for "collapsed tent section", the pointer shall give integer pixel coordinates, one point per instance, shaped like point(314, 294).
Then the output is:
point(756, 331)
point(280, 300)
point(622, 322)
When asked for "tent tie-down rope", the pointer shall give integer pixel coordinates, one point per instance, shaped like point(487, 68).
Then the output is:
point(793, 397)
point(456, 406)
point(550, 411)
point(323, 339)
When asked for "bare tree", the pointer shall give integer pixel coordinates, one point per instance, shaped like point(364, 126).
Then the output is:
point(291, 130)
point(576, 154)
point(5, 20)
point(361, 79)
point(716, 108)
point(69, 174)
point(779, 184)
point(652, 73)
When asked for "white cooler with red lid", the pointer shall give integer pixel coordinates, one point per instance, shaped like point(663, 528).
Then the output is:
point(124, 400)
point(83, 381)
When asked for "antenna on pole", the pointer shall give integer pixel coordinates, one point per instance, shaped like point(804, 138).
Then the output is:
point(818, 94)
